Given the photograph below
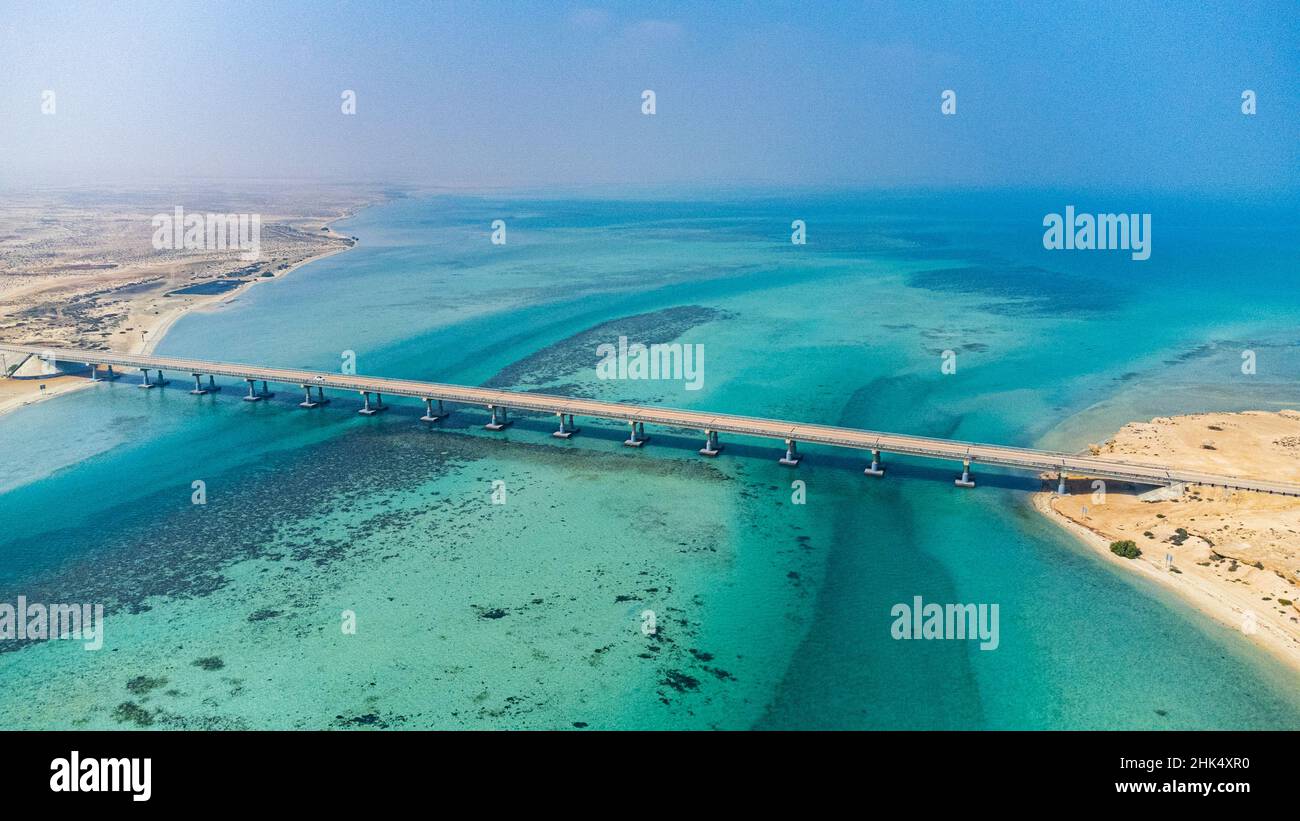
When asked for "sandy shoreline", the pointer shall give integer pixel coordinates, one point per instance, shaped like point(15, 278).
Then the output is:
point(153, 326)
point(166, 321)
point(1234, 556)
point(1212, 600)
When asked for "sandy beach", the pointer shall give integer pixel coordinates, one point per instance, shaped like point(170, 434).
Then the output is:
point(1235, 555)
point(80, 270)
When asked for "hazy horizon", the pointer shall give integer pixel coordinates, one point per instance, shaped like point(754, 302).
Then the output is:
point(526, 96)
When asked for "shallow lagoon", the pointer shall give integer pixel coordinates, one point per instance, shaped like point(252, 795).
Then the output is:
point(530, 613)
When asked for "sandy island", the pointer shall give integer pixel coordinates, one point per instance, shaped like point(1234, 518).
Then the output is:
point(79, 269)
point(1233, 554)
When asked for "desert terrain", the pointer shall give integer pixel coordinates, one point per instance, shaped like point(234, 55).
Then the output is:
point(1235, 554)
point(80, 267)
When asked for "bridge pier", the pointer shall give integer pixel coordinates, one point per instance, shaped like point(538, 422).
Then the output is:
point(147, 384)
point(875, 469)
point(111, 374)
point(637, 437)
point(567, 429)
point(429, 415)
point(792, 457)
point(965, 480)
point(370, 410)
point(500, 420)
point(1069, 469)
point(711, 447)
point(200, 390)
point(254, 396)
point(308, 402)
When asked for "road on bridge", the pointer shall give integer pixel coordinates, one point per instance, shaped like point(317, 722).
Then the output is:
point(798, 432)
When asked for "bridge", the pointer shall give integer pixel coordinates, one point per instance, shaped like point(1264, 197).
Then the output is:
point(499, 403)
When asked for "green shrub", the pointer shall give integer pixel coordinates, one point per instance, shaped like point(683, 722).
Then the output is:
point(1126, 548)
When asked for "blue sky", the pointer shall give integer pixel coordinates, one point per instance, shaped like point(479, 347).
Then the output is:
point(1099, 95)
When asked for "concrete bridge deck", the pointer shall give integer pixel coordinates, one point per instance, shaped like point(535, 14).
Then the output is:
point(636, 416)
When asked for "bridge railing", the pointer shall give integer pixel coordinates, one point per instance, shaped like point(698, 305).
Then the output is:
point(858, 439)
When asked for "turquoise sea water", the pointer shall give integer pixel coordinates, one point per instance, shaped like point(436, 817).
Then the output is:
point(769, 614)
